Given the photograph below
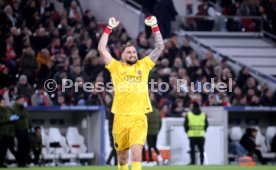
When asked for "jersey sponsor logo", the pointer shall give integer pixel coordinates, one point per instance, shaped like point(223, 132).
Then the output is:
point(133, 79)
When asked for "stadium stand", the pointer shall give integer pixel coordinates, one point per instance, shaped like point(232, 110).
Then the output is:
point(37, 43)
point(32, 55)
point(269, 134)
point(57, 145)
point(76, 144)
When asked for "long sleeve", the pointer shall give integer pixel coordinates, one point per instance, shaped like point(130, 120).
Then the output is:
point(186, 122)
point(206, 124)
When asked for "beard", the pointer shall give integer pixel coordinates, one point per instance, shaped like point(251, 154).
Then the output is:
point(131, 62)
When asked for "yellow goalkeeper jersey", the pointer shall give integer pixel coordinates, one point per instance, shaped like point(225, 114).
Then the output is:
point(130, 83)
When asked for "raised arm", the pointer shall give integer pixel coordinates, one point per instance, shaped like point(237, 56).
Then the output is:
point(112, 23)
point(159, 43)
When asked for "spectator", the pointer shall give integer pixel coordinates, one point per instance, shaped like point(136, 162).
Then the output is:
point(9, 13)
point(237, 93)
point(28, 63)
point(165, 13)
point(226, 75)
point(75, 58)
point(17, 12)
point(124, 38)
point(241, 101)
point(248, 142)
point(74, 13)
point(93, 30)
point(77, 72)
point(7, 79)
point(10, 95)
point(178, 63)
point(212, 101)
point(178, 108)
point(251, 83)
point(46, 10)
point(170, 51)
point(208, 71)
point(23, 43)
point(267, 98)
point(244, 74)
point(225, 64)
point(206, 13)
point(210, 58)
point(225, 101)
point(62, 26)
point(96, 97)
point(60, 100)
point(41, 39)
point(250, 94)
point(10, 54)
point(24, 88)
point(85, 47)
point(87, 17)
point(55, 46)
point(186, 48)
point(249, 8)
point(92, 66)
point(255, 101)
point(44, 72)
point(43, 58)
point(142, 41)
point(41, 97)
point(234, 24)
point(80, 95)
point(191, 60)
point(190, 24)
point(28, 13)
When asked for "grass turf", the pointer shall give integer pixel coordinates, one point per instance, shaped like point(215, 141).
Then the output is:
point(155, 168)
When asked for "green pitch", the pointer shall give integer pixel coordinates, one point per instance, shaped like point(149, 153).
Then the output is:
point(155, 168)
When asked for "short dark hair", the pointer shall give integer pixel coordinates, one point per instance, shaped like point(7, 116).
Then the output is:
point(196, 105)
point(37, 128)
point(128, 44)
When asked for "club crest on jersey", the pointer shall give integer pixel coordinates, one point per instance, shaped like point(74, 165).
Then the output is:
point(139, 72)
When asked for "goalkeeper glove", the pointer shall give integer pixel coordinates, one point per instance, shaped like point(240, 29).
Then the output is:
point(112, 23)
point(152, 22)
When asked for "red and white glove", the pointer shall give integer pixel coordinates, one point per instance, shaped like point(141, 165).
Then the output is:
point(112, 23)
point(152, 22)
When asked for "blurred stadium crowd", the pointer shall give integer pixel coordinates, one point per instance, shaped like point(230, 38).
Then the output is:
point(39, 43)
point(239, 15)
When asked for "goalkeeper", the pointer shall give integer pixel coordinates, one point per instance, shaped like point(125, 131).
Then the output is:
point(131, 100)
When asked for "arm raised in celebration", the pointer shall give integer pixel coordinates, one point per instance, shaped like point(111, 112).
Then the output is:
point(102, 46)
point(159, 43)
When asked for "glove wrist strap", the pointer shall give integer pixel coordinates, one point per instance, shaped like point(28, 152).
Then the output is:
point(108, 30)
point(155, 28)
